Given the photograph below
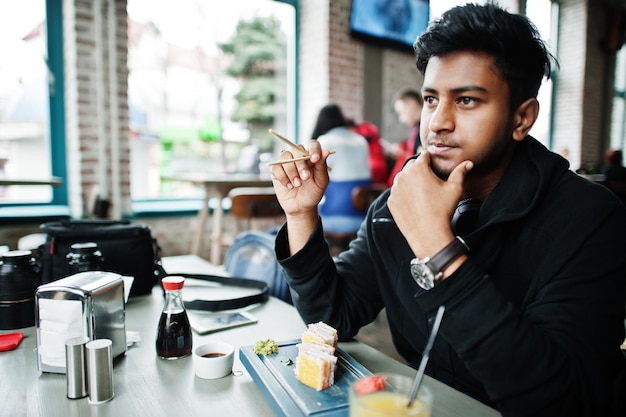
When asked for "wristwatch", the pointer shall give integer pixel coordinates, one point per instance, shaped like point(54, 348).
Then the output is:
point(427, 272)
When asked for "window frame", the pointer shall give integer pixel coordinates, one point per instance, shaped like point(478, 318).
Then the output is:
point(58, 206)
point(54, 28)
point(160, 207)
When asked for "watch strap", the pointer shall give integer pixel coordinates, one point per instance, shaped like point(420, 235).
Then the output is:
point(448, 254)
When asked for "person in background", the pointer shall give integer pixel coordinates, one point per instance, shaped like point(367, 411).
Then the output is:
point(377, 159)
point(534, 287)
point(408, 107)
point(349, 168)
point(613, 168)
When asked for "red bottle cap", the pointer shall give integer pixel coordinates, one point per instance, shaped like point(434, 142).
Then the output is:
point(173, 283)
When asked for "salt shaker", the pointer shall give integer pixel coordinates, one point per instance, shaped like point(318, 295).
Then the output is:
point(99, 371)
point(76, 368)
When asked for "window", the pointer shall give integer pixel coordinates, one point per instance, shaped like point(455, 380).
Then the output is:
point(618, 115)
point(543, 14)
point(206, 80)
point(31, 100)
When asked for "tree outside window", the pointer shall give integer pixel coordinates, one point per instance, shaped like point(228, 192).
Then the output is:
point(205, 81)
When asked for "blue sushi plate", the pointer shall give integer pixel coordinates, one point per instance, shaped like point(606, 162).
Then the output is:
point(275, 376)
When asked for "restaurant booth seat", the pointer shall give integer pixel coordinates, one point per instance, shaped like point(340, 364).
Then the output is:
point(362, 198)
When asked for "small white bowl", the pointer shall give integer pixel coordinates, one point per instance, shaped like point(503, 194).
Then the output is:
point(213, 360)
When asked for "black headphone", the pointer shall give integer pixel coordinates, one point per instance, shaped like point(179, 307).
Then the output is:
point(465, 216)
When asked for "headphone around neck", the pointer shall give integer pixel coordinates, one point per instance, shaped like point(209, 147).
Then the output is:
point(465, 216)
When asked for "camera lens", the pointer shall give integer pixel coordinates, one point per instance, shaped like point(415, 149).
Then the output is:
point(19, 278)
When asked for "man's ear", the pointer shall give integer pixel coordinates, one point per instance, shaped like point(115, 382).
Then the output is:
point(524, 118)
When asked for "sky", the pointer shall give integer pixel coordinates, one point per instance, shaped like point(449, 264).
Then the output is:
point(20, 17)
point(18, 62)
point(179, 20)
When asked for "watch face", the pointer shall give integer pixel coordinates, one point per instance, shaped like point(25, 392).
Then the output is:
point(423, 275)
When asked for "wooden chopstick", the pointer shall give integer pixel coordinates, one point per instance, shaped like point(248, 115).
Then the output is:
point(305, 154)
point(290, 143)
point(286, 161)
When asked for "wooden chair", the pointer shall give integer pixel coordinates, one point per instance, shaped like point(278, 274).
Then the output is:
point(252, 208)
point(362, 198)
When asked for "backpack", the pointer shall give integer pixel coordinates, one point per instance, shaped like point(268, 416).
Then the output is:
point(252, 256)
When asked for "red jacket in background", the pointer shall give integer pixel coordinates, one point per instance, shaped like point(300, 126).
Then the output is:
point(377, 160)
point(409, 148)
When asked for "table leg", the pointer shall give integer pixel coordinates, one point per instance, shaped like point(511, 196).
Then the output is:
point(202, 216)
point(216, 233)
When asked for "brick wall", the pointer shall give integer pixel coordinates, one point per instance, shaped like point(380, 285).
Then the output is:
point(333, 69)
point(399, 73)
point(346, 62)
point(313, 64)
point(96, 78)
point(173, 234)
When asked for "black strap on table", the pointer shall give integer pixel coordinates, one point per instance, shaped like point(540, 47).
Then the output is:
point(230, 304)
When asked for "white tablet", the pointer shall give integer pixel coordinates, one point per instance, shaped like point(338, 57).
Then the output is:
point(203, 324)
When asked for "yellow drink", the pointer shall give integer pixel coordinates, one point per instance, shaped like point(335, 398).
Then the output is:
point(387, 403)
point(390, 400)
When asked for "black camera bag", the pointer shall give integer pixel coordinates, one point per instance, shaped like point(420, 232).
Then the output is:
point(127, 248)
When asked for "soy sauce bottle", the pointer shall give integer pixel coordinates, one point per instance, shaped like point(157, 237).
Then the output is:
point(173, 339)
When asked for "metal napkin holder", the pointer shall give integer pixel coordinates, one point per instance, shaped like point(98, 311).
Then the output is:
point(89, 304)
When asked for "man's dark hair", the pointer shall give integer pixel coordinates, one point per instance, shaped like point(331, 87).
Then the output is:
point(513, 41)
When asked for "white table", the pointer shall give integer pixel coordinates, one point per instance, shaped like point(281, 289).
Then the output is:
point(147, 386)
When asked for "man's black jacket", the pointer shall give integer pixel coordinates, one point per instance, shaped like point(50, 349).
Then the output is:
point(534, 318)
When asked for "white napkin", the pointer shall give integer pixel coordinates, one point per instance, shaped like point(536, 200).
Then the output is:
point(59, 320)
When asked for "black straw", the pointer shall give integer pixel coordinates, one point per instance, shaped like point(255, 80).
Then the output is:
point(431, 341)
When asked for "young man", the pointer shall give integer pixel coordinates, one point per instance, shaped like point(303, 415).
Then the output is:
point(535, 307)
point(408, 107)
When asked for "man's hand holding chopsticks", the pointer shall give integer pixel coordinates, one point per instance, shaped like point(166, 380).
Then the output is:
point(300, 186)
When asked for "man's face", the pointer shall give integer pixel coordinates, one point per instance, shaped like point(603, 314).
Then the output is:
point(466, 113)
